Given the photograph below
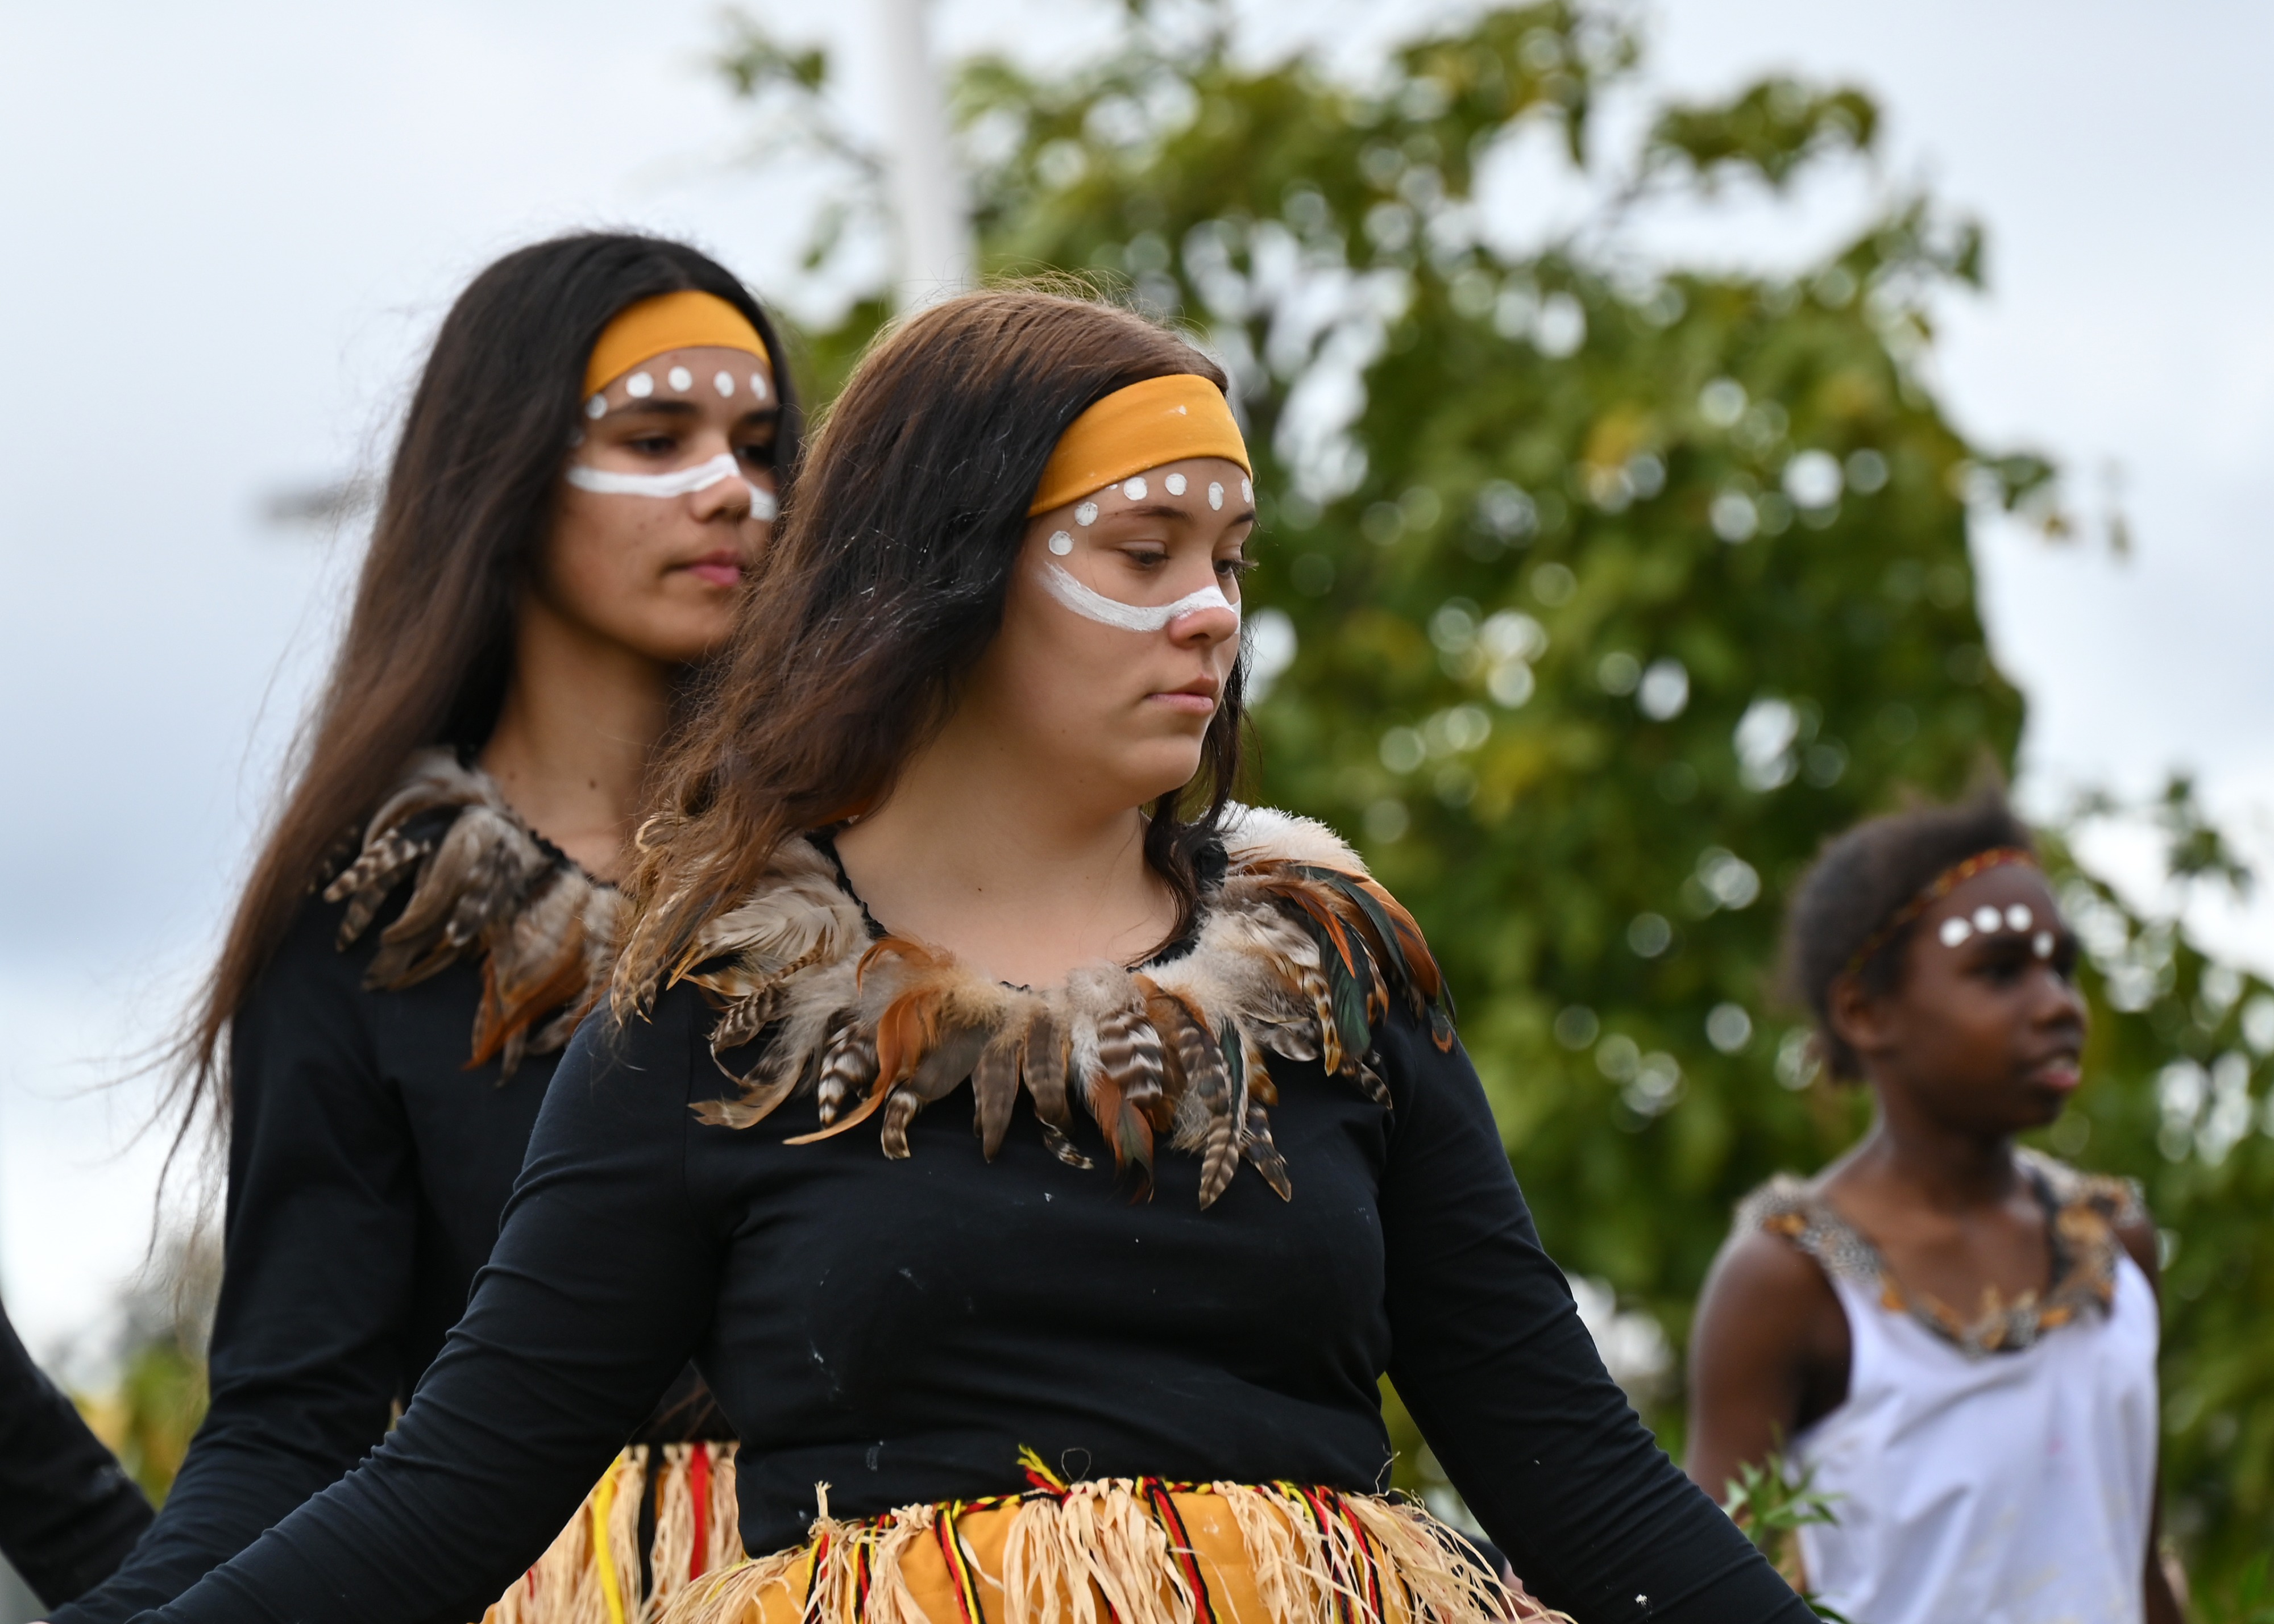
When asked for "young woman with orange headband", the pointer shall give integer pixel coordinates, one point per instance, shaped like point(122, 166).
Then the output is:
point(1041, 1155)
point(586, 474)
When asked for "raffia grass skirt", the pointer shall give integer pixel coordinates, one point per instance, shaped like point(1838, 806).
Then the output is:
point(1120, 1551)
point(592, 1573)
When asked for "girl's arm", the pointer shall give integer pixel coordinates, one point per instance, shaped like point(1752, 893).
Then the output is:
point(603, 1279)
point(1768, 1354)
point(68, 1515)
point(1491, 1358)
point(317, 1242)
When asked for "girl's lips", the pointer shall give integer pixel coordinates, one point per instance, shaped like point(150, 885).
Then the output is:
point(1189, 703)
point(719, 569)
point(2058, 1076)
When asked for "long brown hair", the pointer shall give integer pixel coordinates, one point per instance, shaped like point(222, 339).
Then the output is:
point(882, 590)
point(429, 642)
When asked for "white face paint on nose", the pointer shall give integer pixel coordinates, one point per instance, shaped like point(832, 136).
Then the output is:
point(1130, 617)
point(680, 482)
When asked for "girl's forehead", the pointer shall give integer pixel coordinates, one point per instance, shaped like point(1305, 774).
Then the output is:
point(2009, 882)
point(1216, 482)
point(701, 373)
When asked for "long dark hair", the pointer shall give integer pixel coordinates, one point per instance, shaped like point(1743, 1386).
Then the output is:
point(429, 642)
point(882, 590)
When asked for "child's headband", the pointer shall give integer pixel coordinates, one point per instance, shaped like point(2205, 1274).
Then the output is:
point(1949, 880)
point(1168, 419)
point(688, 320)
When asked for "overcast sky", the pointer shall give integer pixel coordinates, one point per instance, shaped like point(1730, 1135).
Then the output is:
point(231, 228)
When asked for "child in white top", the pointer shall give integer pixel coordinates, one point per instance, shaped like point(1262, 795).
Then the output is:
point(1955, 1336)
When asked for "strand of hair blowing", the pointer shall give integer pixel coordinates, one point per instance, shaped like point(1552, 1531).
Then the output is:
point(885, 585)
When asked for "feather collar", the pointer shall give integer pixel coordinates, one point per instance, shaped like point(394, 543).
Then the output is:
point(1296, 953)
point(484, 882)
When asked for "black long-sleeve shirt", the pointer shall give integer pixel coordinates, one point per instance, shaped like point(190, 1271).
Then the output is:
point(368, 1167)
point(68, 1514)
point(899, 1329)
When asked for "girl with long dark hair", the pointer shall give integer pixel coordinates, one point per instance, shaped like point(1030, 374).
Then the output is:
point(586, 474)
point(1041, 1155)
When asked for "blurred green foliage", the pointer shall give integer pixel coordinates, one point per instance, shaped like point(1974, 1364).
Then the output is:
point(1613, 586)
point(150, 1411)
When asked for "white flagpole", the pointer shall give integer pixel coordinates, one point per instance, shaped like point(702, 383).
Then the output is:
point(927, 193)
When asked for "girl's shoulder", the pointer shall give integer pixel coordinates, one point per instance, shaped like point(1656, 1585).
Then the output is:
point(1795, 1208)
point(1296, 956)
point(481, 886)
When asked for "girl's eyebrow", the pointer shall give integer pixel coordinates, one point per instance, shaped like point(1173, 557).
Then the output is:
point(1172, 510)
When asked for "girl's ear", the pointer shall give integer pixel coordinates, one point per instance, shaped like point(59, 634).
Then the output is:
point(1859, 1017)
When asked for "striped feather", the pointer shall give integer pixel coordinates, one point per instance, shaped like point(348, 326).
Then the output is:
point(1263, 1155)
point(1042, 1068)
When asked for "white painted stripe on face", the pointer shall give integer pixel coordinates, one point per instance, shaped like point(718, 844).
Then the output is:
point(680, 482)
point(1129, 617)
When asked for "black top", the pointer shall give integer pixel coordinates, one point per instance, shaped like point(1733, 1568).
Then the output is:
point(899, 1329)
point(68, 1515)
point(368, 1167)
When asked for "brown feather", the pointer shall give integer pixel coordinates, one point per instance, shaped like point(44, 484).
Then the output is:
point(536, 963)
point(938, 1074)
point(1042, 1067)
point(364, 884)
point(1263, 1155)
point(1197, 1055)
point(744, 1019)
point(846, 1066)
point(1126, 1088)
point(995, 1088)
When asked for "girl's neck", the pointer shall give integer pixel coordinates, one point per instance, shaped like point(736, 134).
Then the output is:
point(1948, 1168)
point(581, 718)
point(1021, 876)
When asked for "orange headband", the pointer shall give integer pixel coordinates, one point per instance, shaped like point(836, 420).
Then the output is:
point(688, 320)
point(1159, 420)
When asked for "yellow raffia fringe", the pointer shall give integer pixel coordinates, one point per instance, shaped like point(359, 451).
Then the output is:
point(1066, 1553)
point(592, 1572)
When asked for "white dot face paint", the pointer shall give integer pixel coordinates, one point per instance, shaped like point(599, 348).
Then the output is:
point(757, 386)
point(725, 384)
point(1086, 514)
point(597, 407)
point(1061, 543)
point(1987, 918)
point(1135, 488)
point(1955, 931)
point(639, 386)
point(1176, 483)
point(1129, 617)
point(680, 379)
point(678, 482)
point(1216, 495)
point(1246, 489)
point(2042, 944)
point(2018, 917)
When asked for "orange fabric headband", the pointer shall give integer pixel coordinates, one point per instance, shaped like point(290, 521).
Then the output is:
point(688, 320)
point(1161, 420)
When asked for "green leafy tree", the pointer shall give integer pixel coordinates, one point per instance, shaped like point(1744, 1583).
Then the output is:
point(1598, 590)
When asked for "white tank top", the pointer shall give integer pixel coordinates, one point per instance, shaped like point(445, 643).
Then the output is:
point(2001, 1472)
